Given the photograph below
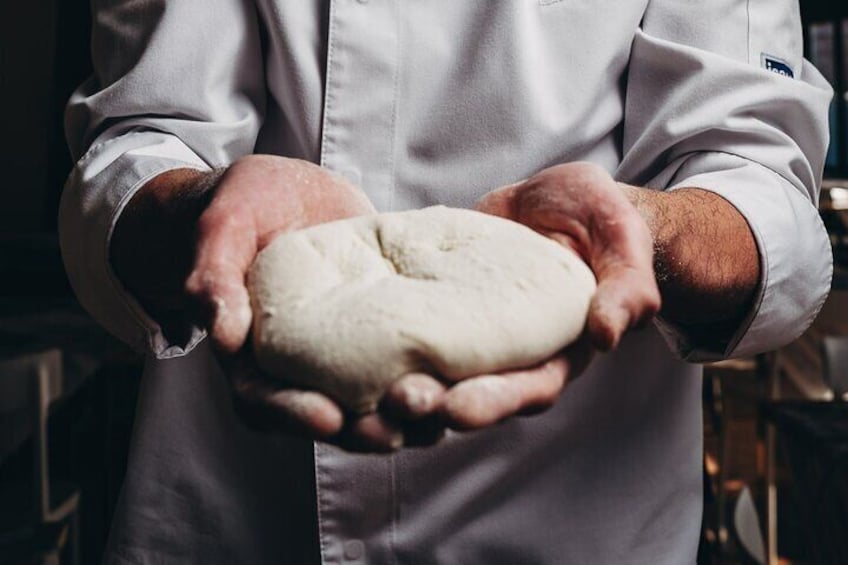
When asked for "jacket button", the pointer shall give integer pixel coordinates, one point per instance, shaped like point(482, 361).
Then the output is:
point(354, 549)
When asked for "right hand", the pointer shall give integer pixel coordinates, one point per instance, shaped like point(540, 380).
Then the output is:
point(583, 208)
point(580, 206)
point(257, 198)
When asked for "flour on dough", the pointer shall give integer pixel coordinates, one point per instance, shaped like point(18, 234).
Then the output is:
point(350, 306)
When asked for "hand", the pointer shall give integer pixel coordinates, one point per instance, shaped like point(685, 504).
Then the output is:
point(257, 198)
point(484, 400)
point(188, 232)
point(582, 207)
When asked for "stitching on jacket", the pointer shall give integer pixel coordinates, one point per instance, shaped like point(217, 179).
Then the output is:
point(322, 546)
point(331, 28)
point(98, 147)
point(327, 82)
point(395, 98)
point(748, 38)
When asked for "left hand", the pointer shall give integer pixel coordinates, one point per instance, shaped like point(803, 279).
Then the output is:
point(582, 207)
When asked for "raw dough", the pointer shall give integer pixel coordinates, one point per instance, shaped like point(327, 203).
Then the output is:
point(350, 306)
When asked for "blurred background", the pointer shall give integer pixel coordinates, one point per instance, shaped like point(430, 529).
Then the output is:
point(776, 426)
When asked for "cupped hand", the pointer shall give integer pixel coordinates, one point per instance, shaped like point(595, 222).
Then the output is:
point(583, 208)
point(257, 198)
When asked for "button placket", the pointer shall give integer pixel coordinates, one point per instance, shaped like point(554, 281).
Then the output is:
point(357, 141)
point(358, 128)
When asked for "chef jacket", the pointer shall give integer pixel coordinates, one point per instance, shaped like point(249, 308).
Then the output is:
point(422, 102)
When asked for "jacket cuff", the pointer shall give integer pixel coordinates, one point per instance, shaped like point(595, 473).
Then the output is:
point(796, 262)
point(100, 186)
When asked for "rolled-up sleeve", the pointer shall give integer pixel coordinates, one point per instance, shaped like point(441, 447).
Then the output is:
point(176, 84)
point(705, 108)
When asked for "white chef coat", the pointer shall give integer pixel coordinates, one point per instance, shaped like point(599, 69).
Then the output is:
point(439, 101)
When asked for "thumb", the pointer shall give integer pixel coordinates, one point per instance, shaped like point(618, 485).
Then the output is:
point(500, 202)
point(223, 304)
point(226, 246)
point(623, 300)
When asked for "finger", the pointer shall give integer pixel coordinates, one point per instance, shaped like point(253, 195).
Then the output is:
point(372, 433)
point(482, 401)
point(500, 202)
point(577, 357)
point(266, 406)
point(624, 299)
point(305, 411)
point(610, 235)
point(223, 305)
point(413, 397)
point(226, 245)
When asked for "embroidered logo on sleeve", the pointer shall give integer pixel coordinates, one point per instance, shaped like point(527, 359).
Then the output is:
point(776, 65)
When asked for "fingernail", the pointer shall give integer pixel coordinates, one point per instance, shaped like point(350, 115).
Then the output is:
point(419, 401)
point(610, 322)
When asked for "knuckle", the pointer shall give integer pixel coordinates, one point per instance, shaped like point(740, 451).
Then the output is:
point(646, 308)
point(652, 301)
point(192, 286)
point(467, 414)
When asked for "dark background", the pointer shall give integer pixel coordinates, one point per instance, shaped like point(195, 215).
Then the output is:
point(44, 55)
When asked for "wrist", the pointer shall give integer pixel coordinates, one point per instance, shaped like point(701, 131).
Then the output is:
point(652, 206)
point(705, 259)
point(151, 247)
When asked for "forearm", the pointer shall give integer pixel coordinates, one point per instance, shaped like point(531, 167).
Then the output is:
point(705, 257)
point(152, 245)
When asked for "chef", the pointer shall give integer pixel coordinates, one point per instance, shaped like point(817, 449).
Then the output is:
point(676, 146)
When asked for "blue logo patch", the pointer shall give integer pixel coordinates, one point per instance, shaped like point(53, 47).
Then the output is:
point(776, 65)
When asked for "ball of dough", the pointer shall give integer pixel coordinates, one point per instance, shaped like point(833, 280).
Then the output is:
point(350, 306)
